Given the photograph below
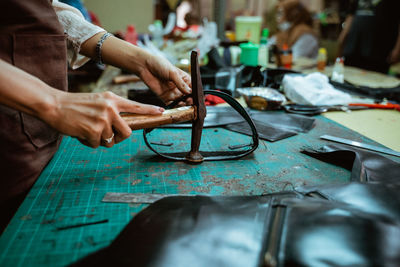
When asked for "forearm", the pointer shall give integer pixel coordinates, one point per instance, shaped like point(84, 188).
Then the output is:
point(397, 45)
point(164, 79)
point(345, 32)
point(117, 52)
point(24, 92)
point(91, 117)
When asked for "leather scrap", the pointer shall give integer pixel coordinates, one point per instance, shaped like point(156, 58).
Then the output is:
point(365, 166)
point(265, 131)
point(273, 126)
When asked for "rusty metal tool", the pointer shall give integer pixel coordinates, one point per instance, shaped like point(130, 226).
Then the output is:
point(196, 114)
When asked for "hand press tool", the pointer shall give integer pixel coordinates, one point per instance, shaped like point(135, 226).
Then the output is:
point(195, 113)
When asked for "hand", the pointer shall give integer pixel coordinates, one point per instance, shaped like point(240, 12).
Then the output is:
point(165, 80)
point(94, 117)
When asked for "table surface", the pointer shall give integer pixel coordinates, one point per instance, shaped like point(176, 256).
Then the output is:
point(382, 126)
point(70, 189)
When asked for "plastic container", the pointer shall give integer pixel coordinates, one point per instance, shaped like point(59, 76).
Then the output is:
point(321, 59)
point(131, 35)
point(263, 57)
point(338, 71)
point(249, 54)
point(248, 29)
point(156, 30)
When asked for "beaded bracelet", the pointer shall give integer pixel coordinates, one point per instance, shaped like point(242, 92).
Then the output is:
point(99, 45)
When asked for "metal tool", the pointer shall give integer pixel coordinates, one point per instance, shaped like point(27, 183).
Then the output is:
point(316, 110)
point(361, 145)
point(136, 198)
point(196, 114)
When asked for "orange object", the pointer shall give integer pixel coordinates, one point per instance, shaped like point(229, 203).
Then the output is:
point(321, 59)
point(286, 57)
point(380, 106)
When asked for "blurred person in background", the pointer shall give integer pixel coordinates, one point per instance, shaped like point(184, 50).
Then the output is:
point(295, 29)
point(371, 35)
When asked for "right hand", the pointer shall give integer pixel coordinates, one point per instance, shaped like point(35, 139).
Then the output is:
point(94, 117)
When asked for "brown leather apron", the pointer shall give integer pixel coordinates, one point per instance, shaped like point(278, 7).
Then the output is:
point(32, 39)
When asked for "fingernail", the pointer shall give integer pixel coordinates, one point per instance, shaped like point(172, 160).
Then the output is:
point(161, 109)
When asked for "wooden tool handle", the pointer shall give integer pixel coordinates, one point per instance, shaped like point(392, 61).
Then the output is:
point(125, 79)
point(136, 121)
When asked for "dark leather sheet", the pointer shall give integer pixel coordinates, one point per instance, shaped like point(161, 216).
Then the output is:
point(191, 231)
point(265, 131)
point(381, 199)
point(327, 233)
point(284, 229)
point(365, 166)
point(273, 126)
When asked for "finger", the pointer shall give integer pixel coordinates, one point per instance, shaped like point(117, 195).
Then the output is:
point(107, 137)
point(180, 83)
point(92, 144)
point(171, 95)
point(122, 130)
point(125, 105)
point(186, 77)
point(189, 101)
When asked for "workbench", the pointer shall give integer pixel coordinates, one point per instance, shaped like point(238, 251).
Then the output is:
point(71, 188)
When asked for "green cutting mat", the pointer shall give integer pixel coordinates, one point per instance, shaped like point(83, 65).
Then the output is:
point(70, 189)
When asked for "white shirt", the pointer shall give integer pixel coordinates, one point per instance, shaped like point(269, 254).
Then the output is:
point(77, 29)
point(306, 46)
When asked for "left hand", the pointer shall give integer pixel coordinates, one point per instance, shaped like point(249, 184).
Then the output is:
point(165, 80)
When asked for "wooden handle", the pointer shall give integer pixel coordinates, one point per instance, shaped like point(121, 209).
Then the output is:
point(137, 121)
point(125, 79)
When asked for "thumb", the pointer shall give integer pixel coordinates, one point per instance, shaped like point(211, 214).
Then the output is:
point(125, 105)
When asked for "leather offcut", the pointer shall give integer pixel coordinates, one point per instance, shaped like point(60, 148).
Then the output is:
point(274, 126)
point(365, 166)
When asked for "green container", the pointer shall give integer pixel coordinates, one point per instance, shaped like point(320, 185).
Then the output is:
point(249, 54)
point(248, 29)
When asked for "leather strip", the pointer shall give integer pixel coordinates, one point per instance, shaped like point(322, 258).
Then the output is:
point(365, 166)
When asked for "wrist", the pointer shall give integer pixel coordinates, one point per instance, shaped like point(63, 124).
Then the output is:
point(138, 60)
point(48, 108)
